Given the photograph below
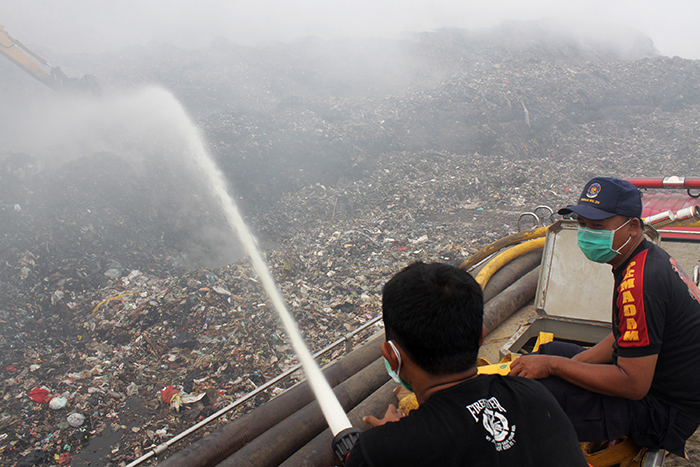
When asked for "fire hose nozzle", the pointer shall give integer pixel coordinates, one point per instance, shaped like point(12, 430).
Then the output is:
point(344, 441)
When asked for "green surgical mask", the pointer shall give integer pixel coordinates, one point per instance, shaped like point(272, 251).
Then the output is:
point(395, 374)
point(597, 244)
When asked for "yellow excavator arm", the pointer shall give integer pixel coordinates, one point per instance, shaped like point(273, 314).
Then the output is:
point(35, 65)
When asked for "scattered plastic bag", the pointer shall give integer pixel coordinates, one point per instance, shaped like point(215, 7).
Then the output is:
point(191, 398)
point(168, 392)
point(40, 395)
point(175, 402)
point(76, 419)
point(62, 459)
point(132, 389)
point(58, 402)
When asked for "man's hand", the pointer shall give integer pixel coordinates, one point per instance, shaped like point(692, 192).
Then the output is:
point(392, 415)
point(630, 378)
point(531, 366)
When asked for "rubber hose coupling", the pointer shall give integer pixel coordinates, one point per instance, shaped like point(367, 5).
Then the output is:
point(344, 441)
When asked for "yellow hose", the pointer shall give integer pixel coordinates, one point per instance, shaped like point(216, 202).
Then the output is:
point(488, 250)
point(507, 256)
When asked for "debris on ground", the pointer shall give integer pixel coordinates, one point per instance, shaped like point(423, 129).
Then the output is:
point(110, 344)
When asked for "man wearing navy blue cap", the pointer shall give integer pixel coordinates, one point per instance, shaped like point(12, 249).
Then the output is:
point(643, 379)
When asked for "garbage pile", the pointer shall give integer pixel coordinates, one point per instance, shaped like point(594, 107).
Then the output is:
point(143, 357)
point(110, 345)
point(147, 357)
point(517, 110)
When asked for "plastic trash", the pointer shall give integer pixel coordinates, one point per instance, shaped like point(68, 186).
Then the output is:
point(40, 395)
point(168, 392)
point(58, 402)
point(75, 419)
point(132, 389)
point(191, 398)
point(221, 290)
point(112, 273)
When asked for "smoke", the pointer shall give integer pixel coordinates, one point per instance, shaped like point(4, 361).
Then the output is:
point(143, 130)
point(60, 128)
point(89, 26)
point(128, 153)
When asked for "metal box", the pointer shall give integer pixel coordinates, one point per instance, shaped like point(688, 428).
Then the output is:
point(574, 295)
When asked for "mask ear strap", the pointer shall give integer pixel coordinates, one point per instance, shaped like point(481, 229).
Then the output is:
point(628, 240)
point(628, 221)
point(623, 245)
point(398, 355)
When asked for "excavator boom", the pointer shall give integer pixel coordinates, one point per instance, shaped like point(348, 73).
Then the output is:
point(35, 65)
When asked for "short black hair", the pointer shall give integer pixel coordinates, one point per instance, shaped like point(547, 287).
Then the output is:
point(435, 313)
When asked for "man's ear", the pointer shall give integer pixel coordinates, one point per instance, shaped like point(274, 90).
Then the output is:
point(483, 335)
point(389, 354)
point(637, 228)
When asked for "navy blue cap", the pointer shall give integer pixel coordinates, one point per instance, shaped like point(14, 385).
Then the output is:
point(603, 197)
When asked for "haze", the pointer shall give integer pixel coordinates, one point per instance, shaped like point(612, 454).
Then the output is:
point(95, 26)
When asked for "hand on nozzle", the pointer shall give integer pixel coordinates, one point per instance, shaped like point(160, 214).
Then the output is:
point(392, 415)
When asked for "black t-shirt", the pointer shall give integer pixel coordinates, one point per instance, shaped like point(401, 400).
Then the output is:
point(488, 421)
point(656, 311)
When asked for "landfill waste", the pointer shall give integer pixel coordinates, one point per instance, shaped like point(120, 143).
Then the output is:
point(40, 394)
point(63, 458)
point(75, 419)
point(32, 459)
point(343, 189)
point(58, 402)
point(168, 392)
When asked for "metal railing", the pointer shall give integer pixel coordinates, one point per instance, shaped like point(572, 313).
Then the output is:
point(539, 219)
point(159, 449)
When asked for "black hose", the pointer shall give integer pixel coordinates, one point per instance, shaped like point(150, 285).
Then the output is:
point(319, 453)
point(220, 444)
point(289, 409)
point(281, 441)
point(512, 296)
point(510, 300)
point(514, 286)
point(507, 275)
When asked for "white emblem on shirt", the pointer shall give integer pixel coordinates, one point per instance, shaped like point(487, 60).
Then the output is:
point(494, 422)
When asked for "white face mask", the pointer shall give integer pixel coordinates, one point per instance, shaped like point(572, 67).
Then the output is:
point(395, 374)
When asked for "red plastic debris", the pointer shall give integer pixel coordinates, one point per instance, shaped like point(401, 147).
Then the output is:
point(64, 458)
point(10, 368)
point(39, 395)
point(168, 392)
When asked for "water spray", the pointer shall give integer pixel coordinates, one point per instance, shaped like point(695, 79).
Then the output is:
point(159, 113)
point(345, 435)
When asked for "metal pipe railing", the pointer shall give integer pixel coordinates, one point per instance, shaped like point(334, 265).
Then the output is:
point(694, 233)
point(685, 216)
point(156, 450)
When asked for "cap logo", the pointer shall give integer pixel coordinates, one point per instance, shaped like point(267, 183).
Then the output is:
point(593, 190)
